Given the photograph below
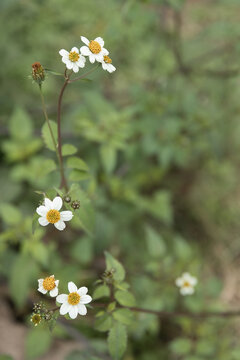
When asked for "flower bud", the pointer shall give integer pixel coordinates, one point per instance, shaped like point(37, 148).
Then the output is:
point(75, 204)
point(67, 199)
point(38, 73)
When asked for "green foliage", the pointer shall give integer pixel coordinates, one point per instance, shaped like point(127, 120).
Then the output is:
point(117, 340)
point(46, 134)
point(37, 343)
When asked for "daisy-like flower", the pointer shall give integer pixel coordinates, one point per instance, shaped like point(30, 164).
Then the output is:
point(107, 64)
point(74, 302)
point(94, 49)
point(73, 59)
point(48, 284)
point(50, 213)
point(186, 284)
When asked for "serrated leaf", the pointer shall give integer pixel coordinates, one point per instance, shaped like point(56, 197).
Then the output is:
point(155, 243)
point(47, 138)
point(123, 315)
point(103, 323)
point(37, 343)
point(117, 341)
point(125, 298)
point(112, 263)
point(77, 163)
point(68, 149)
point(101, 291)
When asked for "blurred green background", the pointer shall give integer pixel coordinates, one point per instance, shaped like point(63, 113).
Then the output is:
point(161, 138)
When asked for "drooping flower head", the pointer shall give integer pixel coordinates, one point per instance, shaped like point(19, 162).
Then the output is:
point(107, 64)
point(94, 49)
point(50, 213)
point(48, 284)
point(38, 73)
point(73, 59)
point(74, 302)
point(186, 283)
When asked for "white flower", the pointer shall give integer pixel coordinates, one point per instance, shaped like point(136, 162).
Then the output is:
point(50, 213)
point(94, 49)
point(73, 60)
point(107, 64)
point(48, 284)
point(74, 302)
point(186, 283)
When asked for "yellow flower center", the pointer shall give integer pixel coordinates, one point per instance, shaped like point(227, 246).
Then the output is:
point(49, 283)
point(53, 216)
point(36, 319)
point(73, 298)
point(186, 284)
point(107, 59)
point(95, 47)
point(73, 56)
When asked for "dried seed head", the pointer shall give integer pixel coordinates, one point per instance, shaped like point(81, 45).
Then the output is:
point(75, 204)
point(38, 73)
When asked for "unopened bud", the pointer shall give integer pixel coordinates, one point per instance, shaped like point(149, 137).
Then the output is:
point(38, 73)
point(75, 204)
point(67, 199)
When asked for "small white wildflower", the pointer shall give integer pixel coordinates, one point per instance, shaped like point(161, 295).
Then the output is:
point(48, 284)
point(73, 60)
point(186, 284)
point(107, 64)
point(94, 49)
point(50, 213)
point(74, 302)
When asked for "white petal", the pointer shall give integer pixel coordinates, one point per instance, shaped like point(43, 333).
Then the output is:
point(111, 68)
point(43, 221)
point(72, 287)
point(193, 281)
point(82, 290)
point(85, 51)
point(57, 203)
point(63, 52)
point(104, 66)
point(48, 204)
point(41, 210)
point(92, 58)
point(104, 51)
point(54, 292)
point(56, 282)
point(60, 225)
point(81, 62)
point(82, 310)
point(73, 311)
point(85, 40)
point(85, 299)
point(69, 65)
point(62, 298)
point(99, 57)
point(42, 290)
point(75, 49)
point(100, 41)
point(75, 68)
point(66, 215)
point(179, 281)
point(64, 309)
point(65, 60)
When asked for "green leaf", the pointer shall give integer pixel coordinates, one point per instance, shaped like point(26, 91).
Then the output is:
point(82, 250)
point(125, 298)
point(108, 157)
point(47, 135)
point(37, 343)
point(20, 125)
point(23, 274)
point(68, 149)
point(101, 291)
point(155, 243)
point(77, 163)
point(117, 341)
point(103, 323)
point(123, 315)
point(78, 175)
point(112, 263)
point(181, 346)
point(10, 214)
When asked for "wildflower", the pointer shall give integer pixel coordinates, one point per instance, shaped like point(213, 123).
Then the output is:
point(94, 49)
point(36, 319)
point(38, 73)
point(186, 283)
point(107, 64)
point(48, 284)
point(74, 302)
point(73, 60)
point(50, 213)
